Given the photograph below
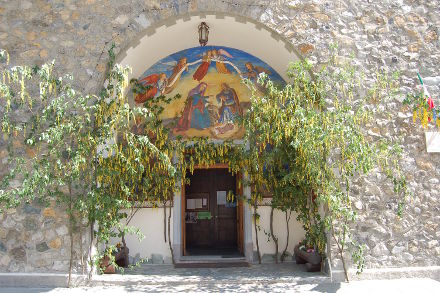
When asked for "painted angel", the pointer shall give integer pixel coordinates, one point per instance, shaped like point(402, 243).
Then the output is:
point(177, 70)
point(253, 71)
point(202, 70)
point(158, 83)
point(220, 55)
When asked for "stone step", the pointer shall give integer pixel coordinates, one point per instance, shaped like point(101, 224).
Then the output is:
point(211, 261)
point(206, 264)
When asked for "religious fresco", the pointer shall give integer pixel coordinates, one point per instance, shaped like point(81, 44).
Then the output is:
point(213, 95)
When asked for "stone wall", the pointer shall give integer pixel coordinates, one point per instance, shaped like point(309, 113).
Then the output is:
point(394, 35)
point(35, 238)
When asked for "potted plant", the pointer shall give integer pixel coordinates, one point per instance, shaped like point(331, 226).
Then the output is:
point(121, 255)
point(106, 264)
point(308, 255)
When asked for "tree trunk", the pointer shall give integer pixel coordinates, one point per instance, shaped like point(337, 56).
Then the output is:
point(169, 233)
point(275, 239)
point(81, 247)
point(71, 236)
point(71, 259)
point(341, 251)
point(283, 255)
point(344, 266)
point(256, 233)
point(165, 221)
point(90, 251)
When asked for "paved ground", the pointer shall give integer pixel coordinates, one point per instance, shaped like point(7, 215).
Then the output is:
point(372, 286)
point(269, 272)
point(265, 278)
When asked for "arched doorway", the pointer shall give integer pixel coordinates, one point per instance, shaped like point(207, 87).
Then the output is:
point(238, 37)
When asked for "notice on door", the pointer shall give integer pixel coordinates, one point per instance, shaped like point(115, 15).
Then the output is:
point(190, 204)
point(221, 197)
point(199, 202)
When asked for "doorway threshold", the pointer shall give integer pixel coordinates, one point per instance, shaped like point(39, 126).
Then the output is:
point(211, 261)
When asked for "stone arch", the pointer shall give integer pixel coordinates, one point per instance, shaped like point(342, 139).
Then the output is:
point(180, 32)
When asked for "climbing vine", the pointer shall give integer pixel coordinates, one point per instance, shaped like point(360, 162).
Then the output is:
point(308, 140)
point(94, 155)
point(83, 153)
point(303, 143)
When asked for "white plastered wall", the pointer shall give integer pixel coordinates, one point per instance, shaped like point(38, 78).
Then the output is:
point(229, 31)
point(150, 222)
point(296, 232)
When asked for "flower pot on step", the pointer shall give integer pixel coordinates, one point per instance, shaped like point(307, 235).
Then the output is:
point(106, 266)
point(312, 260)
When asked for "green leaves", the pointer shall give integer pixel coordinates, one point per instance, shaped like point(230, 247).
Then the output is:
point(303, 144)
point(310, 137)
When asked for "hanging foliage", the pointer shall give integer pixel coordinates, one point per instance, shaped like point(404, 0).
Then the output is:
point(84, 143)
point(112, 158)
point(308, 140)
point(303, 143)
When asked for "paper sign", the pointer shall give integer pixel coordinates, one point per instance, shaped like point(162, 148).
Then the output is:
point(198, 203)
point(221, 197)
point(190, 204)
point(205, 202)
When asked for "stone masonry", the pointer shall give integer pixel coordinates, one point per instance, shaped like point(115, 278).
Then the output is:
point(35, 238)
point(395, 35)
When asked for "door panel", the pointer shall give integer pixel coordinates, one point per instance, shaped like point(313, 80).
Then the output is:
point(221, 230)
point(199, 234)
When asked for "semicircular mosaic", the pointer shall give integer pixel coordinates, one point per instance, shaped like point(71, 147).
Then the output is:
point(210, 82)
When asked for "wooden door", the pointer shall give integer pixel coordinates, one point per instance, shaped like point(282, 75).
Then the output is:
point(225, 214)
point(220, 230)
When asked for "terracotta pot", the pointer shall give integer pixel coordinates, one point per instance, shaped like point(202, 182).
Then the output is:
point(106, 266)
